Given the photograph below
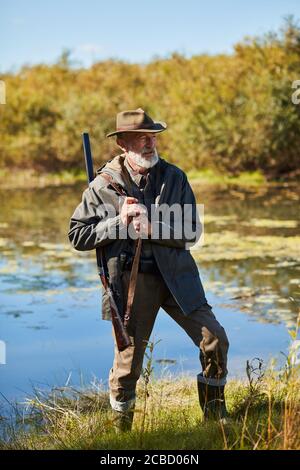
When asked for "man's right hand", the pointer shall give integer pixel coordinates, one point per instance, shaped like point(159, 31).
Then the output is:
point(130, 209)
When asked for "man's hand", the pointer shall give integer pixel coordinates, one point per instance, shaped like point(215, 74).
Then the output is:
point(137, 214)
point(129, 210)
point(142, 225)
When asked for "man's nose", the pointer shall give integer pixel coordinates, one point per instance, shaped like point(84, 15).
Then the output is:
point(150, 141)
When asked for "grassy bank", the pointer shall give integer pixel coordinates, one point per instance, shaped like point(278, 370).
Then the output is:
point(17, 179)
point(209, 176)
point(264, 414)
point(30, 179)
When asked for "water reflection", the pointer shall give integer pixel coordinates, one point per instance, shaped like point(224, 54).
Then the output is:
point(250, 261)
point(251, 250)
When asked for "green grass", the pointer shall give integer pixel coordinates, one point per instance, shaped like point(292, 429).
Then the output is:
point(209, 176)
point(265, 414)
point(30, 178)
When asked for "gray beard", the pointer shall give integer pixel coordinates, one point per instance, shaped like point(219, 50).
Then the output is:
point(141, 161)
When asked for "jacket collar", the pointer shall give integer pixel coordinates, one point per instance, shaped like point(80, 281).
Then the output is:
point(118, 171)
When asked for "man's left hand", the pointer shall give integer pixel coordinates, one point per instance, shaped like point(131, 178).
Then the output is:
point(141, 225)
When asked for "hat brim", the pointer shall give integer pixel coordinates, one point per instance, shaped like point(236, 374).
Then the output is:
point(157, 127)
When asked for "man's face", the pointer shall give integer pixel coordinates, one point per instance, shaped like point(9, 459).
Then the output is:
point(140, 147)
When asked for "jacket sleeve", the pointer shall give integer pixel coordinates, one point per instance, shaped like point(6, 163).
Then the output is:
point(181, 231)
point(94, 223)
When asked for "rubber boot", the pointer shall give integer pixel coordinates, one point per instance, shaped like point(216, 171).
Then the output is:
point(123, 420)
point(212, 402)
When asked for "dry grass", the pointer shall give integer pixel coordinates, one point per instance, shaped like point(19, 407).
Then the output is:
point(265, 414)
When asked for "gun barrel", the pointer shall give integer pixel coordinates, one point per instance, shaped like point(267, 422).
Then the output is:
point(88, 156)
point(122, 337)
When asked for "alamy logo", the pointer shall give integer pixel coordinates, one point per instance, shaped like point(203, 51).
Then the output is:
point(2, 352)
point(168, 222)
point(2, 92)
point(296, 94)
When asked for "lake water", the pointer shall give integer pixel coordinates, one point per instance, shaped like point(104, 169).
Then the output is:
point(50, 296)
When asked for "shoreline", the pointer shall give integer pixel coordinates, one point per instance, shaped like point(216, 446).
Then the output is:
point(167, 416)
point(30, 179)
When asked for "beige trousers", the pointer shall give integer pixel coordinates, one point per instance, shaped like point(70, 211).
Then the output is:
point(201, 325)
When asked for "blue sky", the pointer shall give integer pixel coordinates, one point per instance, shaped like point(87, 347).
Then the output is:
point(34, 31)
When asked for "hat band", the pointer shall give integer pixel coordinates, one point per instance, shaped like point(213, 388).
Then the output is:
point(134, 127)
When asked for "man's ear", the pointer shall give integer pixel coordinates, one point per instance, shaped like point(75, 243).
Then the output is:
point(121, 143)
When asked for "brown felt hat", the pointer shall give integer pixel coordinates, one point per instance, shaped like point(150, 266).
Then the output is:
point(136, 120)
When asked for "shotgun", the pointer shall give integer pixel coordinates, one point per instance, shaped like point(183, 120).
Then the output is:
point(121, 335)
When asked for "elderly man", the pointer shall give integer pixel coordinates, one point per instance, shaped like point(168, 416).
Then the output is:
point(167, 275)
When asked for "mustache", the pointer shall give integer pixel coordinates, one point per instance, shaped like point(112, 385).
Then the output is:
point(143, 161)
